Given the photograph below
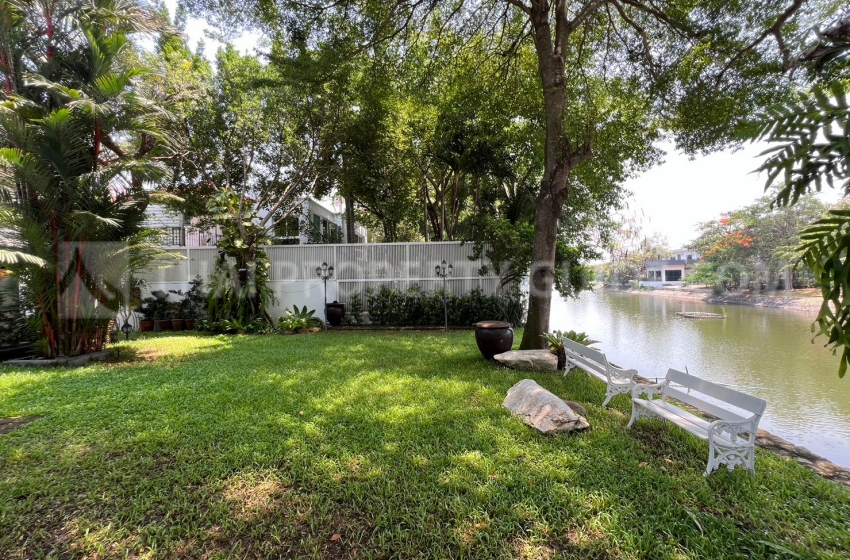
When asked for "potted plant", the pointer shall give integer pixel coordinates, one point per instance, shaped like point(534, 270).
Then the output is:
point(175, 308)
point(193, 304)
point(298, 320)
point(556, 344)
point(161, 313)
point(148, 311)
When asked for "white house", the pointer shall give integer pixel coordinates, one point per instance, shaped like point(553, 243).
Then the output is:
point(671, 271)
point(313, 222)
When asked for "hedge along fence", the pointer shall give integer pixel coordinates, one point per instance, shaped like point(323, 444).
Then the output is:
point(415, 307)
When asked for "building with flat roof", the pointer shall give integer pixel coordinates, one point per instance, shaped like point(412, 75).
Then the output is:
point(671, 271)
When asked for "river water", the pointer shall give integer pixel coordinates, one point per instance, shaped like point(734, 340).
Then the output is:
point(763, 352)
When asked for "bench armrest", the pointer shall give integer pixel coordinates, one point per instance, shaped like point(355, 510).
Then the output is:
point(648, 389)
point(624, 373)
point(733, 429)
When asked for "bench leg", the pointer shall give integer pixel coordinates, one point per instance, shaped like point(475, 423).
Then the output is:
point(637, 413)
point(731, 457)
point(609, 394)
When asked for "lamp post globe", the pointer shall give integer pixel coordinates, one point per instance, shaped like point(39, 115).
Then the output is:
point(126, 329)
point(325, 272)
point(444, 271)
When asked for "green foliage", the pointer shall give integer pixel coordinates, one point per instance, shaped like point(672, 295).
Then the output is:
point(555, 339)
point(355, 306)
point(77, 135)
point(15, 327)
point(755, 243)
point(296, 319)
point(193, 303)
point(239, 284)
point(255, 326)
point(416, 307)
point(155, 307)
point(826, 248)
point(810, 134)
point(630, 248)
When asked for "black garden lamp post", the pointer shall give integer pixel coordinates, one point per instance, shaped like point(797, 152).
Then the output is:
point(444, 272)
point(324, 272)
point(126, 329)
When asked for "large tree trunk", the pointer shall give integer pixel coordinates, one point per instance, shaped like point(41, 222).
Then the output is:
point(560, 159)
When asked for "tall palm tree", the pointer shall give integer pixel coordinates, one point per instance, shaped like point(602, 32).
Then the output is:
point(76, 135)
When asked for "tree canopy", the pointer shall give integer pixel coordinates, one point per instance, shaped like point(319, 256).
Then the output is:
point(597, 82)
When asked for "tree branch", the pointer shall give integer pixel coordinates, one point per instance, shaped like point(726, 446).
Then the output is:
point(776, 31)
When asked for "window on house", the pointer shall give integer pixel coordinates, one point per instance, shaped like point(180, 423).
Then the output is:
point(672, 275)
point(287, 227)
point(176, 237)
point(316, 236)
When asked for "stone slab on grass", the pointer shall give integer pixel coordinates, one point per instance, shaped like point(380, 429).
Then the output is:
point(541, 409)
point(537, 360)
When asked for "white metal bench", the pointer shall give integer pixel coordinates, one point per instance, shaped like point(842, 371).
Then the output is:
point(596, 364)
point(731, 439)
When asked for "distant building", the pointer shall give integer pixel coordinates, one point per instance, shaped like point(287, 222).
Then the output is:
point(313, 222)
point(671, 271)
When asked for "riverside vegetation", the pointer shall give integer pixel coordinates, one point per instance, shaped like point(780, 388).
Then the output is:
point(377, 444)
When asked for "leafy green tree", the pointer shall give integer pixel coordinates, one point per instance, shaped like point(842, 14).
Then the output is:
point(605, 69)
point(250, 152)
point(810, 136)
point(77, 137)
point(629, 250)
point(757, 242)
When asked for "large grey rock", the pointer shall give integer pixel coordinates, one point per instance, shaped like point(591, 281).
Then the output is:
point(541, 360)
point(541, 409)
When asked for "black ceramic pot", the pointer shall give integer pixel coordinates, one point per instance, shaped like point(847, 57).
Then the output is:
point(335, 312)
point(493, 337)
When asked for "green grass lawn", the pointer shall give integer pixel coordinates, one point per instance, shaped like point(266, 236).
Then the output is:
point(372, 445)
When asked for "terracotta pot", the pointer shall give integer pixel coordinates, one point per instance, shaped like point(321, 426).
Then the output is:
point(163, 325)
point(146, 326)
point(178, 324)
point(335, 312)
point(493, 337)
point(190, 324)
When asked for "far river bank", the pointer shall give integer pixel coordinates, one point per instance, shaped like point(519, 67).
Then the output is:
point(805, 300)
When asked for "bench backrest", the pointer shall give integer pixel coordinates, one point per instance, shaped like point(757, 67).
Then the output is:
point(585, 357)
point(740, 400)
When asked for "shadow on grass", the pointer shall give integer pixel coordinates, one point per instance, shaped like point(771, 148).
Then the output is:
point(369, 444)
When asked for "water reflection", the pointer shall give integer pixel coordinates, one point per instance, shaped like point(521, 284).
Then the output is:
point(765, 352)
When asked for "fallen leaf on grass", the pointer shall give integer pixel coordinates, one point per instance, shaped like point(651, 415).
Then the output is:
point(494, 477)
point(643, 464)
point(336, 537)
